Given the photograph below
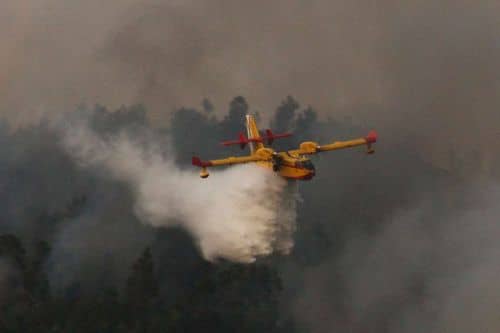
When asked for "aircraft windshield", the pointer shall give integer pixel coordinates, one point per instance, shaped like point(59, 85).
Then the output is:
point(308, 165)
point(305, 164)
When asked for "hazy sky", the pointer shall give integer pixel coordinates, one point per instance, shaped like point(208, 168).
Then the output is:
point(424, 68)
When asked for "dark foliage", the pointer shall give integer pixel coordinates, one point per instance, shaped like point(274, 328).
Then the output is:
point(165, 285)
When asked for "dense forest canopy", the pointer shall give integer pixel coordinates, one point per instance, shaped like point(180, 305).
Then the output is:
point(376, 236)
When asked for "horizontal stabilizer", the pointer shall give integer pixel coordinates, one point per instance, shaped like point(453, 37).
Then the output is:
point(242, 141)
point(270, 136)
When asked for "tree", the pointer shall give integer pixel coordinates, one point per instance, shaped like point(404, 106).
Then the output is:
point(192, 133)
point(36, 279)
point(235, 119)
point(208, 107)
point(12, 249)
point(285, 115)
point(142, 288)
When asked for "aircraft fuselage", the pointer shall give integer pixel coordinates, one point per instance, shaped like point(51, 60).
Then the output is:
point(288, 166)
point(291, 172)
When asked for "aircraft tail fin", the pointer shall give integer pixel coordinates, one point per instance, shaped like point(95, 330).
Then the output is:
point(253, 133)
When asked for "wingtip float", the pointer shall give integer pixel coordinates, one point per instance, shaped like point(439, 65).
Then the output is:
point(291, 164)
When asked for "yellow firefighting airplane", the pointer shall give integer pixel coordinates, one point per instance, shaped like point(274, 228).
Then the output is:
point(291, 164)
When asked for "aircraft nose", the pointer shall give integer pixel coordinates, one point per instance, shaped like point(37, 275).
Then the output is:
point(311, 174)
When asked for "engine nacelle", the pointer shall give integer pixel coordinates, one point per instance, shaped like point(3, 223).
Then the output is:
point(204, 173)
point(309, 147)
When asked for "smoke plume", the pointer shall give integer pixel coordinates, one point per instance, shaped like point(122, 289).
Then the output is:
point(427, 270)
point(425, 72)
point(237, 214)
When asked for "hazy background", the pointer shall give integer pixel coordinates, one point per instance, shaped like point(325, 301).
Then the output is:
point(402, 241)
point(432, 68)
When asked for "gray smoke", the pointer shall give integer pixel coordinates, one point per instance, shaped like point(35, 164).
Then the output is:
point(419, 72)
point(424, 73)
point(422, 272)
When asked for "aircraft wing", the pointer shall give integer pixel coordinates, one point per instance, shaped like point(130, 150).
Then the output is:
point(229, 160)
point(260, 155)
point(309, 147)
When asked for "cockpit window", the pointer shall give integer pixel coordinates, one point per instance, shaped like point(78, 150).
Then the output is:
point(308, 165)
point(305, 164)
